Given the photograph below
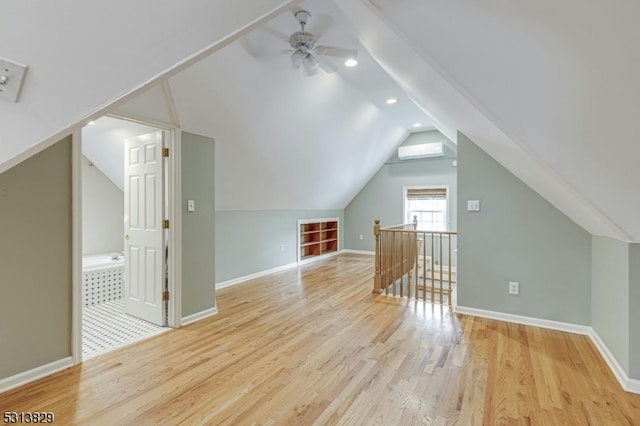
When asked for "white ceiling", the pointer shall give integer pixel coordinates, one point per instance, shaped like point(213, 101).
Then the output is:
point(286, 140)
point(559, 78)
point(103, 145)
point(86, 57)
point(548, 89)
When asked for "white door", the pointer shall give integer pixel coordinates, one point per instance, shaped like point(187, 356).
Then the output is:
point(143, 227)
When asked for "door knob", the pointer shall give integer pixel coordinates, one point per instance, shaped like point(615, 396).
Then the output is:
point(125, 236)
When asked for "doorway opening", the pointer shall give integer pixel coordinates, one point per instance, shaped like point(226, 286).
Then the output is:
point(125, 193)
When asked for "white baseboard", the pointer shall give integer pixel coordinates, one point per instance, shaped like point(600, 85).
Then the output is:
point(198, 316)
point(35, 374)
point(239, 280)
point(627, 383)
point(633, 386)
point(519, 319)
point(317, 258)
point(369, 253)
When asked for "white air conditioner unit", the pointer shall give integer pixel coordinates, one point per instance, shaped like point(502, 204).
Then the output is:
point(425, 150)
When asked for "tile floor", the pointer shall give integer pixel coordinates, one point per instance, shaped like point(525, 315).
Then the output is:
point(106, 327)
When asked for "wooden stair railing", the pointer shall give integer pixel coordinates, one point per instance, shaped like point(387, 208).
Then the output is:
point(407, 257)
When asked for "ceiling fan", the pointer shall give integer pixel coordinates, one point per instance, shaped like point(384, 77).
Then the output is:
point(306, 53)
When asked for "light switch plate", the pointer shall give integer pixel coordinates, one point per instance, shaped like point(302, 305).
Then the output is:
point(12, 74)
point(191, 205)
point(473, 205)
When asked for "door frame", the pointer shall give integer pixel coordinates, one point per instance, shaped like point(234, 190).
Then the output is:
point(174, 193)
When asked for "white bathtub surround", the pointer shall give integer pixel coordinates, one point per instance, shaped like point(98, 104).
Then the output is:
point(102, 260)
point(102, 278)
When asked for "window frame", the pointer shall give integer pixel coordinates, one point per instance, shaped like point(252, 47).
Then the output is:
point(405, 189)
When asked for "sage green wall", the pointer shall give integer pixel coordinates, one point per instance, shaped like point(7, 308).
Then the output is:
point(102, 212)
point(517, 236)
point(198, 228)
point(634, 311)
point(609, 294)
point(35, 261)
point(248, 241)
point(381, 197)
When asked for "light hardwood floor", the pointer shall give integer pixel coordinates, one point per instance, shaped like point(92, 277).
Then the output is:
point(314, 346)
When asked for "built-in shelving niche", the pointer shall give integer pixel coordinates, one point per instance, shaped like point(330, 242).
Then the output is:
point(317, 237)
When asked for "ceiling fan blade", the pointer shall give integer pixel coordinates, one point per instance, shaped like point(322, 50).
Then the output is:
point(339, 52)
point(263, 56)
point(277, 34)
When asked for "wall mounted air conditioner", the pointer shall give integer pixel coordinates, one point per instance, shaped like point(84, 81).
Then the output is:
point(410, 152)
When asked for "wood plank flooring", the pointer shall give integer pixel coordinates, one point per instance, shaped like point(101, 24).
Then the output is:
point(315, 346)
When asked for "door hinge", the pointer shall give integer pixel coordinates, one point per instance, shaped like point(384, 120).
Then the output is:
point(165, 224)
point(165, 296)
point(165, 152)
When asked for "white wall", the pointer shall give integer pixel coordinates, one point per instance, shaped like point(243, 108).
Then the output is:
point(102, 212)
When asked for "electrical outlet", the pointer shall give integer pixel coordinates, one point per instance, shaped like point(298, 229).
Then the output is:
point(514, 288)
point(282, 248)
point(361, 237)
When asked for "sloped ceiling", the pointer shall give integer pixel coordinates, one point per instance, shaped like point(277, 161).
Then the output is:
point(286, 140)
point(547, 88)
point(84, 57)
point(103, 145)
point(559, 80)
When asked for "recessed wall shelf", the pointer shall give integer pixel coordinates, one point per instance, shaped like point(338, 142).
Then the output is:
point(317, 237)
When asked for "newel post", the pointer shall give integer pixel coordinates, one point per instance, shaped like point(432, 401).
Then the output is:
point(415, 222)
point(377, 279)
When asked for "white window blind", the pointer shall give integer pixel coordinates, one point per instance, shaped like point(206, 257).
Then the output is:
point(427, 194)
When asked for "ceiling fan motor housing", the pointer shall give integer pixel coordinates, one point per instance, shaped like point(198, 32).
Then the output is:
point(301, 39)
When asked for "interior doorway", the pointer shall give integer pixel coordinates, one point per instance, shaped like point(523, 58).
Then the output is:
point(125, 193)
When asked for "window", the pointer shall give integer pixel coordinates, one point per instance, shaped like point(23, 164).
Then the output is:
point(429, 204)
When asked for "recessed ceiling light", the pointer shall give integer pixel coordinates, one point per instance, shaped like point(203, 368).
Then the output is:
point(91, 123)
point(417, 124)
point(350, 63)
point(391, 101)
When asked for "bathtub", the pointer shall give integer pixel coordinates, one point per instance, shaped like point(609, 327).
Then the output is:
point(102, 279)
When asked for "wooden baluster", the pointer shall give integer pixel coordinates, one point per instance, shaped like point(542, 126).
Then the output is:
point(376, 277)
point(387, 258)
point(450, 262)
point(394, 262)
point(413, 247)
point(403, 236)
point(424, 268)
point(387, 264)
point(441, 271)
point(433, 268)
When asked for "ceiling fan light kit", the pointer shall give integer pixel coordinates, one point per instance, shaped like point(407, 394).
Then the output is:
point(307, 54)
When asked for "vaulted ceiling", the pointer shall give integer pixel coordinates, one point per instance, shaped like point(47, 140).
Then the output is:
point(548, 89)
